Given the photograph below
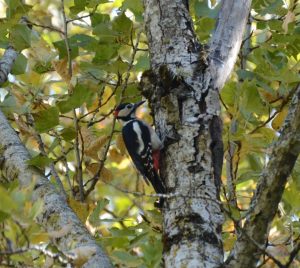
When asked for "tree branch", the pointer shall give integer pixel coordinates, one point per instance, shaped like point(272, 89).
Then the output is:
point(227, 38)
point(6, 63)
point(269, 191)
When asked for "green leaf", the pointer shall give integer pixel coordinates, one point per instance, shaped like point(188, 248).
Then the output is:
point(94, 217)
point(40, 161)
point(94, 70)
point(244, 74)
point(20, 64)
point(143, 63)
point(204, 27)
point(3, 216)
point(269, 7)
point(116, 242)
point(9, 105)
point(122, 232)
point(99, 18)
point(117, 66)
point(42, 67)
point(136, 6)
point(79, 96)
point(85, 41)
point(139, 240)
point(16, 9)
point(251, 100)
point(234, 212)
point(152, 253)
point(93, 3)
point(132, 94)
point(7, 203)
point(46, 119)
point(122, 24)
point(105, 53)
point(53, 145)
point(36, 208)
point(202, 9)
point(20, 36)
point(155, 216)
point(79, 5)
point(68, 134)
point(126, 258)
point(61, 46)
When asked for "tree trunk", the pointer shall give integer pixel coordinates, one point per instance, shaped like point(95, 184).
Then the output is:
point(183, 90)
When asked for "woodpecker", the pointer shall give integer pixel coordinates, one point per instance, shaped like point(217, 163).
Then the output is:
point(142, 143)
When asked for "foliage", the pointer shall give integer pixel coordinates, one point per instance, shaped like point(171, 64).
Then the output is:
point(73, 71)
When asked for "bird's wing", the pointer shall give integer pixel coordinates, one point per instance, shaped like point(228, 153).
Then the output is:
point(137, 139)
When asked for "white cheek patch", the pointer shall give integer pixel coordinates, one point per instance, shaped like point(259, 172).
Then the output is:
point(123, 112)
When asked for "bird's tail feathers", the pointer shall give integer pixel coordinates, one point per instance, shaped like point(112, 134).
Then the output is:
point(157, 183)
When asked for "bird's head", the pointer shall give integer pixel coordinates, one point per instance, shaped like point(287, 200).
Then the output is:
point(126, 111)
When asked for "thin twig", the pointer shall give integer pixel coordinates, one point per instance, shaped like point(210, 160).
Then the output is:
point(84, 16)
point(250, 239)
point(76, 123)
point(41, 145)
point(52, 28)
point(95, 179)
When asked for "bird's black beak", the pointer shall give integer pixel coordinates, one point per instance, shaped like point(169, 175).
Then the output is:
point(138, 104)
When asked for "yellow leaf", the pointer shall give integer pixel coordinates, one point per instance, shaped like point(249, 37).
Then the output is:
point(279, 119)
point(25, 129)
point(93, 144)
point(115, 156)
point(33, 79)
point(38, 105)
point(105, 175)
point(61, 67)
point(229, 242)
point(267, 96)
point(19, 96)
point(41, 51)
point(36, 238)
point(81, 209)
point(120, 144)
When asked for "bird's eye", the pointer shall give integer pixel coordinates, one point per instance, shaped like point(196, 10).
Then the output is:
point(129, 106)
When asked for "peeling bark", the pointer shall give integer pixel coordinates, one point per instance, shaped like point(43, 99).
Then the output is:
point(183, 90)
point(271, 184)
point(56, 213)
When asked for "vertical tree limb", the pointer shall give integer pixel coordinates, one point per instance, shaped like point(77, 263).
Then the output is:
point(271, 184)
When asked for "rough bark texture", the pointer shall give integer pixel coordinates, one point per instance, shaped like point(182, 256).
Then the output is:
point(6, 63)
point(183, 89)
point(264, 204)
point(56, 213)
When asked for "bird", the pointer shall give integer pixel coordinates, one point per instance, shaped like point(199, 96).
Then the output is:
point(142, 144)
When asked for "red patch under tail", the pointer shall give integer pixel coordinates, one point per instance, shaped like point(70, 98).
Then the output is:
point(156, 157)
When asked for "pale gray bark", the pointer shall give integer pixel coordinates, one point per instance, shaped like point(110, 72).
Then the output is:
point(182, 88)
point(56, 213)
point(252, 238)
point(6, 63)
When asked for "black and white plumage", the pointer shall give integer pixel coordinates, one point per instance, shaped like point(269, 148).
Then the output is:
point(142, 143)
